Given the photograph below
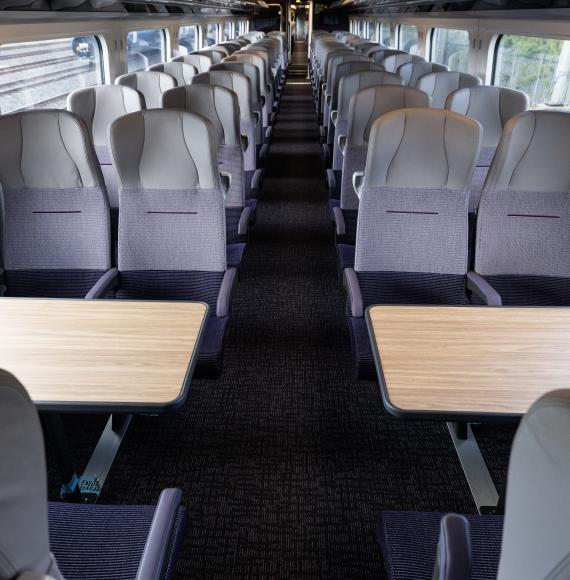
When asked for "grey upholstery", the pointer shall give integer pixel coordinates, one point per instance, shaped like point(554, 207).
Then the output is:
point(220, 106)
point(423, 148)
point(366, 106)
point(99, 106)
point(216, 56)
point(535, 533)
point(164, 150)
point(181, 71)
point(200, 62)
point(411, 72)
point(379, 55)
point(24, 537)
point(393, 62)
point(438, 85)
point(150, 84)
point(532, 154)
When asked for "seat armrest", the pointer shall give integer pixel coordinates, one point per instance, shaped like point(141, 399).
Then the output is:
point(340, 225)
point(256, 117)
point(152, 561)
point(334, 117)
point(107, 282)
point(262, 97)
point(357, 181)
point(226, 291)
point(244, 221)
point(244, 142)
point(226, 180)
point(331, 180)
point(453, 560)
point(481, 288)
point(352, 286)
point(341, 140)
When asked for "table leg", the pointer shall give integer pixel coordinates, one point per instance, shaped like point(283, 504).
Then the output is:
point(474, 467)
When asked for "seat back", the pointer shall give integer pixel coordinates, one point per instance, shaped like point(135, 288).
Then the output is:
point(366, 106)
point(181, 71)
point(393, 62)
point(216, 56)
point(535, 532)
point(367, 46)
point(379, 55)
point(411, 72)
point(439, 85)
point(200, 62)
point(172, 238)
point(56, 224)
point(234, 81)
point(24, 534)
point(220, 106)
point(150, 84)
point(346, 68)
point(256, 61)
point(250, 71)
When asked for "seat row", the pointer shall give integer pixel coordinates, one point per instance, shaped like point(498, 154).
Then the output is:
point(174, 227)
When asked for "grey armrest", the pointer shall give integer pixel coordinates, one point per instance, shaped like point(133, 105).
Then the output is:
point(357, 181)
point(244, 221)
point(107, 282)
point(324, 87)
point(334, 117)
point(256, 117)
point(226, 290)
point(354, 295)
point(341, 140)
point(339, 223)
point(226, 180)
point(257, 179)
point(33, 576)
point(453, 560)
point(244, 142)
point(262, 100)
point(156, 547)
point(481, 288)
point(331, 180)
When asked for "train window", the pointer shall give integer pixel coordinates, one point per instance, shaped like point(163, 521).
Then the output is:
point(227, 31)
point(40, 74)
point(538, 66)
point(385, 34)
point(187, 39)
point(408, 38)
point(372, 31)
point(212, 34)
point(145, 48)
point(450, 47)
point(361, 29)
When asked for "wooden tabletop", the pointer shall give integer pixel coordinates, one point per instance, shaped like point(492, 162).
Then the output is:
point(465, 361)
point(101, 354)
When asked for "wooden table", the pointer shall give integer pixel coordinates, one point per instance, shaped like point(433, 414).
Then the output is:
point(112, 356)
point(466, 364)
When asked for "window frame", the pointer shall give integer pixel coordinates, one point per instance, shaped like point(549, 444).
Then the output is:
point(432, 43)
point(164, 43)
point(217, 40)
point(197, 33)
point(399, 34)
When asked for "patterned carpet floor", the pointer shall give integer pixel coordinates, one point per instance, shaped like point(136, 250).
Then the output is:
point(286, 461)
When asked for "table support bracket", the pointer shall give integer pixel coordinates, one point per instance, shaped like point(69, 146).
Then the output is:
point(474, 467)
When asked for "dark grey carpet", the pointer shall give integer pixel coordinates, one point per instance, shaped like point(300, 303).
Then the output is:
point(286, 460)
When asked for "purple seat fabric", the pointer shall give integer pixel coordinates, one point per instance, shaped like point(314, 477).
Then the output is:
point(211, 358)
point(345, 255)
point(233, 216)
point(235, 254)
point(106, 542)
point(531, 290)
point(408, 541)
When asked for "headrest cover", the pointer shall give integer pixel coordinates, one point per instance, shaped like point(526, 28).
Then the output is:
point(181, 71)
point(151, 84)
point(532, 154)
point(439, 85)
point(47, 149)
point(422, 148)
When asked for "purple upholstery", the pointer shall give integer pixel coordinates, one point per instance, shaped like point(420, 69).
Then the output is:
point(362, 359)
point(345, 255)
point(350, 222)
point(51, 283)
point(408, 541)
point(531, 290)
point(211, 358)
point(235, 254)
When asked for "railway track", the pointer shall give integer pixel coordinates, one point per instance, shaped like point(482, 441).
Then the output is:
point(8, 54)
point(31, 65)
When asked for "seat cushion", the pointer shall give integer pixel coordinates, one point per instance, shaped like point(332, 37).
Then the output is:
point(51, 283)
point(408, 541)
point(106, 541)
point(531, 290)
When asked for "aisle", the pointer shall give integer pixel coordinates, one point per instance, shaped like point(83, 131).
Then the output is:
point(286, 461)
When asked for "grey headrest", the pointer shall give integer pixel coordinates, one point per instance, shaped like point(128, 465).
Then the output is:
point(536, 542)
point(347, 68)
point(373, 102)
point(491, 106)
point(201, 62)
point(222, 48)
point(438, 85)
point(24, 537)
point(393, 62)
point(150, 83)
point(99, 106)
point(422, 148)
point(351, 83)
point(216, 56)
point(380, 54)
point(164, 149)
point(411, 72)
point(47, 150)
point(365, 47)
point(234, 81)
point(253, 59)
point(332, 76)
point(218, 104)
point(181, 71)
point(532, 154)
point(247, 69)
point(261, 54)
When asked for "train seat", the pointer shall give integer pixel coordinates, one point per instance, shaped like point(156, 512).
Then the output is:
point(522, 248)
point(411, 72)
point(412, 231)
point(200, 62)
point(393, 62)
point(55, 212)
point(439, 85)
point(54, 540)
point(181, 71)
point(529, 543)
point(379, 55)
point(366, 106)
point(216, 56)
point(492, 107)
point(150, 84)
point(172, 236)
